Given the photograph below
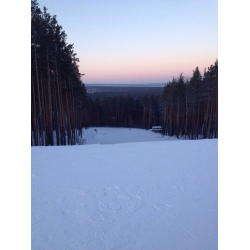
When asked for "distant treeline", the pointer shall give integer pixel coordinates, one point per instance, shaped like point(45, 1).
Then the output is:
point(60, 107)
point(135, 92)
point(186, 108)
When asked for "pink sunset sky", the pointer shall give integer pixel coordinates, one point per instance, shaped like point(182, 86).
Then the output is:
point(141, 41)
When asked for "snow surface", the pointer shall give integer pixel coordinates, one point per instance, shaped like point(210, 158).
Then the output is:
point(136, 195)
point(120, 135)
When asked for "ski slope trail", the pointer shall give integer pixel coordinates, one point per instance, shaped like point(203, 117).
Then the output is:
point(143, 195)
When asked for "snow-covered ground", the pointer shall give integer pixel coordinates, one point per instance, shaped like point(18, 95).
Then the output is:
point(120, 135)
point(148, 193)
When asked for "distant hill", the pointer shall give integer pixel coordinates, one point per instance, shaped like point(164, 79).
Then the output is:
point(126, 85)
point(105, 91)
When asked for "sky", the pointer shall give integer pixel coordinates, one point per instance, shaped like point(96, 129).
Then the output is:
point(126, 195)
point(143, 41)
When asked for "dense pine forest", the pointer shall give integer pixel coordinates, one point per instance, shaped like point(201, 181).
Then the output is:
point(61, 108)
point(58, 97)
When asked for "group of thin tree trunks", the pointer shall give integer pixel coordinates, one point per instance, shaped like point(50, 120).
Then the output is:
point(58, 96)
point(60, 107)
point(190, 108)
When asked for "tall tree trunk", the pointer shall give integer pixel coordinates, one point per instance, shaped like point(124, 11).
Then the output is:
point(186, 110)
point(206, 118)
point(210, 118)
point(34, 138)
point(68, 120)
point(170, 117)
point(43, 100)
point(178, 120)
point(58, 104)
point(38, 94)
point(73, 114)
point(56, 112)
point(50, 128)
point(33, 112)
point(197, 122)
point(216, 114)
point(62, 112)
